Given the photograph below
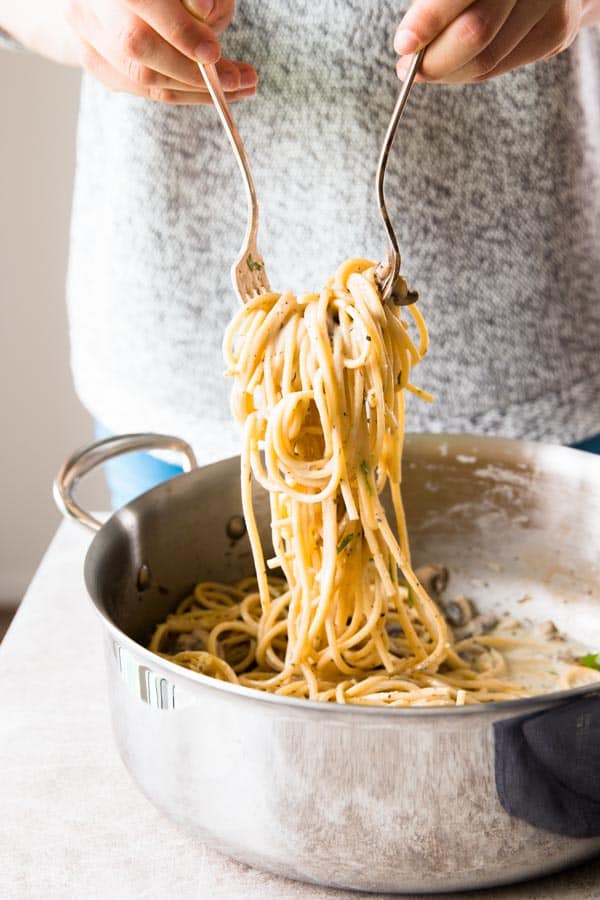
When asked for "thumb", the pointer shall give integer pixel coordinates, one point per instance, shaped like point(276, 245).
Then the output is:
point(200, 9)
point(215, 13)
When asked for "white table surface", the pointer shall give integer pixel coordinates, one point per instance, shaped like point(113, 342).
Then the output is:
point(72, 823)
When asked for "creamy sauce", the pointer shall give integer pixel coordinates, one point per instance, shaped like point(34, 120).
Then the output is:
point(539, 658)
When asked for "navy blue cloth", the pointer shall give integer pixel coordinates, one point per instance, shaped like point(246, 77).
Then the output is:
point(547, 767)
point(592, 445)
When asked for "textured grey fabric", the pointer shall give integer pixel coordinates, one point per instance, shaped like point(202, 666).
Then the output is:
point(495, 190)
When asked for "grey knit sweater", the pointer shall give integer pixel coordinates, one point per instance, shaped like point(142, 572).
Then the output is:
point(495, 191)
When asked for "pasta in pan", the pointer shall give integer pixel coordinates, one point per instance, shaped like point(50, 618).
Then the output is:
point(320, 383)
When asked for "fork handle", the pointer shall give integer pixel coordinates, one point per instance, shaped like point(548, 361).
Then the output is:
point(394, 259)
point(215, 89)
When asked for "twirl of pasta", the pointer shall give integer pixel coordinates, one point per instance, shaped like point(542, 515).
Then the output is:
point(320, 382)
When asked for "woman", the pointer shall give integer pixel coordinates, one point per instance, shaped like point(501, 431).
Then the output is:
point(494, 189)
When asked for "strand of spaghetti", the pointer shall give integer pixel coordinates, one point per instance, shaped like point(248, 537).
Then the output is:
point(250, 518)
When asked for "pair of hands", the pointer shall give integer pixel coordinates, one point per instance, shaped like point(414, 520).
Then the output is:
point(150, 47)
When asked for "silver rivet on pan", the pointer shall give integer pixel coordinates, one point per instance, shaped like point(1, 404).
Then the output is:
point(236, 528)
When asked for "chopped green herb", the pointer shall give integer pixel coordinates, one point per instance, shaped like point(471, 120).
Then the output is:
point(344, 542)
point(591, 660)
point(365, 470)
point(252, 264)
point(410, 600)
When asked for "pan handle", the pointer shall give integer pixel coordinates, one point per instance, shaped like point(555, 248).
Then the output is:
point(83, 461)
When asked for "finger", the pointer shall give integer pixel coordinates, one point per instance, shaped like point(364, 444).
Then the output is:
point(465, 38)
point(519, 24)
point(236, 75)
point(132, 46)
point(112, 78)
point(144, 57)
point(179, 28)
point(248, 74)
point(102, 69)
point(544, 41)
point(217, 14)
point(424, 21)
point(99, 66)
point(139, 47)
point(180, 98)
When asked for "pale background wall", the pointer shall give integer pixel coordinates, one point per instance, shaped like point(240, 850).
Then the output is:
point(42, 421)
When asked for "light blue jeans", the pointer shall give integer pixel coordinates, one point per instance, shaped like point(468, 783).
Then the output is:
point(134, 474)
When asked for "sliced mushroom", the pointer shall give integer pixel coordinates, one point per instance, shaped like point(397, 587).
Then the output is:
point(550, 632)
point(481, 624)
point(193, 640)
point(458, 612)
point(433, 578)
point(473, 651)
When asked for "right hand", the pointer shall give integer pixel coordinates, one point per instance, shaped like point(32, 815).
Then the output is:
point(151, 47)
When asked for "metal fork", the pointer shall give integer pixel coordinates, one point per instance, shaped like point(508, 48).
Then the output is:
point(391, 283)
point(248, 272)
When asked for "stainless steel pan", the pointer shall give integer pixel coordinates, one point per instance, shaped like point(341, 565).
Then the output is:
point(417, 800)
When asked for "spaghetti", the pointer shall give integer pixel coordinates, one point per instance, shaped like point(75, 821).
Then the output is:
point(320, 387)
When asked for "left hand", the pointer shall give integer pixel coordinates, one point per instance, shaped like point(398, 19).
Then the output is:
point(473, 41)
